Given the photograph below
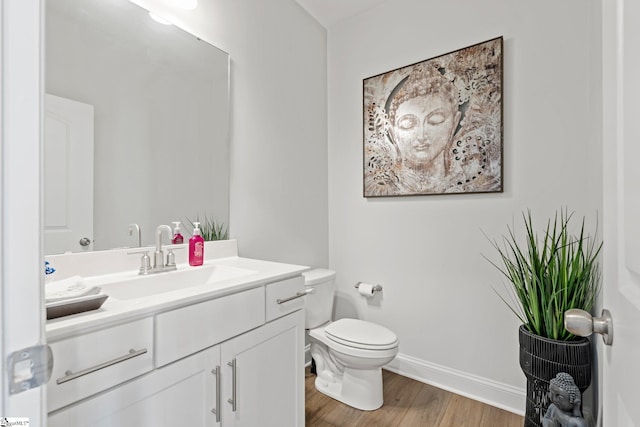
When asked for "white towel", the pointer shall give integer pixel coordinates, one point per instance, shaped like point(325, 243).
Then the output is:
point(68, 288)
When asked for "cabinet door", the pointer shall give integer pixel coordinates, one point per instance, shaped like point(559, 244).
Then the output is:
point(180, 394)
point(268, 389)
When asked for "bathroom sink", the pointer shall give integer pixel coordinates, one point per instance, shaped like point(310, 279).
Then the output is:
point(187, 277)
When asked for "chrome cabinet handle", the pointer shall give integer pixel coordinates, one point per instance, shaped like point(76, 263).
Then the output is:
point(72, 376)
point(216, 410)
point(232, 401)
point(297, 295)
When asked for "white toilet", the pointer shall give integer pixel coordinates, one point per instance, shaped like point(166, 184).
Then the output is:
point(348, 353)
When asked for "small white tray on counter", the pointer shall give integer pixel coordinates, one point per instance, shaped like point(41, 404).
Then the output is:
point(75, 305)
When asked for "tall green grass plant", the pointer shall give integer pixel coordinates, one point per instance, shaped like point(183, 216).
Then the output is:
point(549, 274)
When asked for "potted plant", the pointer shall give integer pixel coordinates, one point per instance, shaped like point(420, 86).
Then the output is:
point(548, 275)
point(210, 229)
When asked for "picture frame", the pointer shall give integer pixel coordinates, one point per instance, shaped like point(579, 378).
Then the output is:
point(435, 126)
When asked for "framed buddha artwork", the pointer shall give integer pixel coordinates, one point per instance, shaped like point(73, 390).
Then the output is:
point(435, 127)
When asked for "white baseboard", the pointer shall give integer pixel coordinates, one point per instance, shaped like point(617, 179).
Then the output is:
point(503, 396)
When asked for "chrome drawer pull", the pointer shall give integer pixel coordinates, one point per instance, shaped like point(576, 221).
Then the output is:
point(297, 295)
point(216, 410)
point(71, 376)
point(232, 400)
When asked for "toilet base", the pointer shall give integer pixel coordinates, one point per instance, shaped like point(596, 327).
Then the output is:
point(351, 375)
point(359, 388)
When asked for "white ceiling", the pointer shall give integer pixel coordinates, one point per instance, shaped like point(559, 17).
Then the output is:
point(328, 12)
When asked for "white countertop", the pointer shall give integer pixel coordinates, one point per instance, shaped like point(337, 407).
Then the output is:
point(115, 311)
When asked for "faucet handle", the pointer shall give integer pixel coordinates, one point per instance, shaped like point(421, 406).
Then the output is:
point(145, 261)
point(171, 257)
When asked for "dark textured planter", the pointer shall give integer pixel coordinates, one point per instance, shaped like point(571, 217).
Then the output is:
point(541, 359)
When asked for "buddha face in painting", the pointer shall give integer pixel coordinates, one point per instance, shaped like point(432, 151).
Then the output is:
point(424, 116)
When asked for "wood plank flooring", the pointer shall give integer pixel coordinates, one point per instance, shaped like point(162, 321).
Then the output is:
point(407, 403)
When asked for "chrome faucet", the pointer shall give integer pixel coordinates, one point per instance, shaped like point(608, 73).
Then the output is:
point(159, 264)
point(136, 228)
point(158, 261)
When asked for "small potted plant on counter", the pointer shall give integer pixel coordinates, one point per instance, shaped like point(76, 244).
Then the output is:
point(210, 229)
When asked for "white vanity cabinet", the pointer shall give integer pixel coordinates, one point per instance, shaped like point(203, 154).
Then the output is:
point(186, 330)
point(232, 361)
point(180, 394)
point(263, 375)
point(89, 363)
point(263, 370)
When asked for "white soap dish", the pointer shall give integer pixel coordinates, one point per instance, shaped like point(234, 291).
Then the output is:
point(75, 305)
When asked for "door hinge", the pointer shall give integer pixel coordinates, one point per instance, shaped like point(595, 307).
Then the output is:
point(29, 368)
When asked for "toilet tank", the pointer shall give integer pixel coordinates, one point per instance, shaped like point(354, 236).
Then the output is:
point(320, 285)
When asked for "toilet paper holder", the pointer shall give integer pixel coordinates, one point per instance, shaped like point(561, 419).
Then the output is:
point(376, 288)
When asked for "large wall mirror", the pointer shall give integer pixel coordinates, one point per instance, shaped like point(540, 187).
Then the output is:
point(136, 126)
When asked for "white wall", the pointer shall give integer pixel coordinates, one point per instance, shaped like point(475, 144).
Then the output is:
point(427, 251)
point(279, 131)
point(278, 192)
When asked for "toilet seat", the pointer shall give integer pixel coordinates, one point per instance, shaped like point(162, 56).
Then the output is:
point(354, 350)
point(361, 334)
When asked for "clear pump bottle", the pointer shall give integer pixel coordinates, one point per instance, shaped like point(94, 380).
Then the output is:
point(196, 246)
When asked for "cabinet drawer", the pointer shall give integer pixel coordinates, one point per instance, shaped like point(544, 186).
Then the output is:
point(186, 330)
point(87, 364)
point(284, 297)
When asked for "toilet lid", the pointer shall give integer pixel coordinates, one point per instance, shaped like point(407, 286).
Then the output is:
point(361, 334)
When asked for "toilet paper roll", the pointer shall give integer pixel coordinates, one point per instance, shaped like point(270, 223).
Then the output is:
point(365, 289)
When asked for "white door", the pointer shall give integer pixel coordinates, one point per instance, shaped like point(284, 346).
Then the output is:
point(68, 175)
point(21, 259)
point(621, 169)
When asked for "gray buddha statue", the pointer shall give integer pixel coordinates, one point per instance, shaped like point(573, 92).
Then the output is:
point(564, 410)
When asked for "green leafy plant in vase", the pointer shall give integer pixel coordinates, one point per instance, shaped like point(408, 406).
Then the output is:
point(549, 274)
point(210, 229)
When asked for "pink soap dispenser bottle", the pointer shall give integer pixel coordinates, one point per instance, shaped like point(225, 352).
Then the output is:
point(177, 237)
point(196, 246)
